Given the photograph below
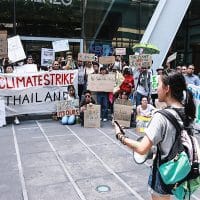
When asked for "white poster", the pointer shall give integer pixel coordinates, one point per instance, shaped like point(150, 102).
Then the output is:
point(15, 49)
point(35, 92)
point(27, 68)
point(47, 56)
point(60, 45)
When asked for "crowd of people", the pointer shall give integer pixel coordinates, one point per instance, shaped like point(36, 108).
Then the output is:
point(136, 84)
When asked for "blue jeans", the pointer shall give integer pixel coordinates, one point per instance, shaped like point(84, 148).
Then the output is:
point(159, 186)
point(102, 99)
point(68, 120)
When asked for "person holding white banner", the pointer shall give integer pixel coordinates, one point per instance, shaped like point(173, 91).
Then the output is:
point(9, 69)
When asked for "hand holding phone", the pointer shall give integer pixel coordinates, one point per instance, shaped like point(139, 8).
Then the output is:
point(118, 129)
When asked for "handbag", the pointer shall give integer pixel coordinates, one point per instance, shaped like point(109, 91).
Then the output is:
point(176, 169)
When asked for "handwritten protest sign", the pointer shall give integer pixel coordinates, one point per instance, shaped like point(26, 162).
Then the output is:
point(3, 44)
point(47, 56)
point(92, 116)
point(68, 107)
point(196, 95)
point(122, 112)
point(138, 61)
point(107, 60)
point(35, 92)
point(120, 51)
point(86, 57)
point(60, 45)
point(15, 49)
point(101, 83)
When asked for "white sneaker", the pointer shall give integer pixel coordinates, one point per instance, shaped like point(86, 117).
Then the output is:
point(16, 121)
point(105, 120)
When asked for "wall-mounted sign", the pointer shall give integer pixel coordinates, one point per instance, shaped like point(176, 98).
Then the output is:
point(54, 2)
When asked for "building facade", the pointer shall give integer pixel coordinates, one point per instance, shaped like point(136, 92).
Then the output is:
point(96, 26)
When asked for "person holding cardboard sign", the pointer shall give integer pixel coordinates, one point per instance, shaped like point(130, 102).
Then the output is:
point(83, 105)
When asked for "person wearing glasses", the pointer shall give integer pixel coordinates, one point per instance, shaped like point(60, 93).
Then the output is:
point(83, 105)
point(190, 77)
point(55, 66)
point(143, 86)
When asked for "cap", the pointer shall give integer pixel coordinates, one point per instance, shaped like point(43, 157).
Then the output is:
point(160, 68)
point(68, 52)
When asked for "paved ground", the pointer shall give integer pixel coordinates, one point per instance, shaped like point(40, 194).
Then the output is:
point(44, 160)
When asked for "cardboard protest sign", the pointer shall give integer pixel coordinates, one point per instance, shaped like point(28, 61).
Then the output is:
point(27, 68)
point(68, 107)
point(35, 92)
point(120, 51)
point(107, 60)
point(138, 61)
point(3, 44)
point(122, 112)
point(47, 56)
point(101, 83)
point(60, 45)
point(172, 57)
point(15, 49)
point(86, 57)
point(92, 116)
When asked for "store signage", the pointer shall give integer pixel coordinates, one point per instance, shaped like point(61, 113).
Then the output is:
point(55, 2)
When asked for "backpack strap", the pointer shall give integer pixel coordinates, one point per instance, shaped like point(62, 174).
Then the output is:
point(172, 119)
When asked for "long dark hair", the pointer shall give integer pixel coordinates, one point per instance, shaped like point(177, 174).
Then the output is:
point(71, 87)
point(179, 91)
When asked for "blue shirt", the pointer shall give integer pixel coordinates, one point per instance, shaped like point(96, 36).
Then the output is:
point(192, 79)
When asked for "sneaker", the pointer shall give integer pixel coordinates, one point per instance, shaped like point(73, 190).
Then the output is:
point(105, 120)
point(16, 121)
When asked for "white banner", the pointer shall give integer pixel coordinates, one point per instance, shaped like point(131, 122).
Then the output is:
point(47, 56)
point(15, 49)
point(60, 45)
point(36, 92)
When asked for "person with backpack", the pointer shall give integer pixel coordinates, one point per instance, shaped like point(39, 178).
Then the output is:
point(161, 132)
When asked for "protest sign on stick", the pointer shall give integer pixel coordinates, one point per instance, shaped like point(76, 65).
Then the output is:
point(15, 49)
point(92, 116)
point(60, 45)
point(86, 57)
point(101, 83)
point(68, 107)
point(138, 61)
point(120, 51)
point(47, 56)
point(3, 44)
point(122, 112)
point(107, 60)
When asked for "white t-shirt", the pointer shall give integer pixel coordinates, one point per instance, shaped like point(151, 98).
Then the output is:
point(147, 111)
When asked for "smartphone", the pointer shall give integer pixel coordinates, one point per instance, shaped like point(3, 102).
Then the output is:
point(121, 130)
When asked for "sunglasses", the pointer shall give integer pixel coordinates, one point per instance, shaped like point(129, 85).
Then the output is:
point(87, 96)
